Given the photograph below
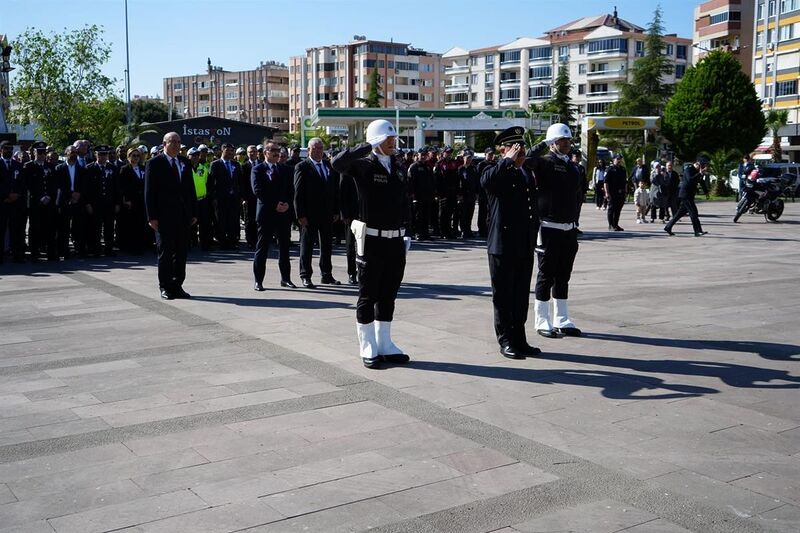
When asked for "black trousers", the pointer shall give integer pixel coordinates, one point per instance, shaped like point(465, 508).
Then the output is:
point(64, 230)
point(350, 245)
point(467, 212)
point(447, 210)
point(3, 228)
point(511, 288)
point(615, 203)
point(556, 254)
point(308, 234)
point(599, 195)
point(380, 272)
point(483, 215)
point(101, 222)
point(228, 227)
point(17, 221)
point(687, 206)
point(661, 211)
point(202, 232)
point(281, 230)
point(581, 200)
point(172, 244)
point(44, 231)
point(250, 226)
point(422, 217)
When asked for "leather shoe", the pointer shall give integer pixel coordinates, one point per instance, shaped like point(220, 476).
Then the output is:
point(182, 294)
point(699, 233)
point(374, 364)
point(549, 333)
point(258, 287)
point(288, 284)
point(511, 352)
point(329, 280)
point(395, 358)
point(166, 295)
point(618, 229)
point(527, 350)
point(569, 332)
point(669, 232)
point(308, 284)
point(352, 280)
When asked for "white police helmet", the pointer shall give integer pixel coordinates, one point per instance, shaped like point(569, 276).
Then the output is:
point(557, 131)
point(142, 149)
point(380, 130)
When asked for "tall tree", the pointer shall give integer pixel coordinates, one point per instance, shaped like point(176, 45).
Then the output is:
point(57, 75)
point(374, 96)
point(714, 107)
point(561, 102)
point(150, 111)
point(646, 94)
point(775, 120)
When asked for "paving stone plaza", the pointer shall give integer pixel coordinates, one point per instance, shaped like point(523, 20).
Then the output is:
point(244, 411)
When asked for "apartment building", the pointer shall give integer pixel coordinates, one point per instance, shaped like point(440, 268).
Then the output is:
point(725, 25)
point(337, 75)
point(258, 96)
point(599, 52)
point(776, 62)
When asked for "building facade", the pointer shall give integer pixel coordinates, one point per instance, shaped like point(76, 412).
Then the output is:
point(724, 25)
point(598, 52)
point(776, 63)
point(337, 75)
point(259, 96)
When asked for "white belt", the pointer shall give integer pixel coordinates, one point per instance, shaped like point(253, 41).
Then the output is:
point(386, 233)
point(566, 226)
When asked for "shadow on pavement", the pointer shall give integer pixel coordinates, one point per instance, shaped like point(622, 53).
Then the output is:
point(266, 301)
point(767, 350)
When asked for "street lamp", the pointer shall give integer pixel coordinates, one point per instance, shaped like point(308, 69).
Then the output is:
point(5, 68)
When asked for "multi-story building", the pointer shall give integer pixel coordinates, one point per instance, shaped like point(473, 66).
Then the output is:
point(259, 96)
point(337, 75)
point(724, 25)
point(598, 52)
point(776, 62)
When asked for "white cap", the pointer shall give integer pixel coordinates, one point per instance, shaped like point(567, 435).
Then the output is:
point(380, 130)
point(154, 150)
point(202, 147)
point(557, 131)
point(192, 151)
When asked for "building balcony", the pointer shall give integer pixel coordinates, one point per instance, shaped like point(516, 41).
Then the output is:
point(607, 74)
point(607, 54)
point(510, 101)
point(606, 94)
point(456, 88)
point(507, 84)
point(456, 105)
point(457, 69)
point(510, 64)
point(535, 98)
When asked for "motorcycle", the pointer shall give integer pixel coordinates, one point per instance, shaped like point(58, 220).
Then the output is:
point(763, 196)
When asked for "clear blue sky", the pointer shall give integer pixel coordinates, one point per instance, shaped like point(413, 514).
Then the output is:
point(170, 38)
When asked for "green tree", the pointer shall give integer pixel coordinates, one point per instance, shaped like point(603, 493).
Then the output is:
point(715, 107)
point(151, 111)
point(57, 75)
point(101, 121)
point(646, 93)
point(722, 161)
point(561, 103)
point(374, 95)
point(776, 119)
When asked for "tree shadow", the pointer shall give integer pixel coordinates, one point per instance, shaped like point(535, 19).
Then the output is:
point(613, 385)
point(768, 350)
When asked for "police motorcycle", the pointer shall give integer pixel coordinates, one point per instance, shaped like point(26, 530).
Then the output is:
point(762, 196)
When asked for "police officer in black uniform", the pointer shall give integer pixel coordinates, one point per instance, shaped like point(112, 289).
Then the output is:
point(383, 207)
point(692, 177)
point(348, 211)
point(422, 186)
point(44, 190)
point(513, 224)
point(488, 161)
point(615, 186)
point(104, 201)
point(469, 183)
point(15, 201)
point(559, 188)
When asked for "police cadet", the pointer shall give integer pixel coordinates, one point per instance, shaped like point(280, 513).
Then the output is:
point(44, 190)
point(383, 201)
point(615, 186)
point(104, 201)
point(224, 178)
point(693, 176)
point(422, 191)
point(469, 182)
point(559, 187)
point(16, 201)
point(513, 224)
point(483, 211)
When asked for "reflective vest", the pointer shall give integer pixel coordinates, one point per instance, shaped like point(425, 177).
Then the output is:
point(200, 175)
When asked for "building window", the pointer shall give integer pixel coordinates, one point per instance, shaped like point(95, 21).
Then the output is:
point(509, 57)
point(681, 50)
point(509, 95)
point(639, 49)
point(680, 70)
point(427, 97)
point(668, 50)
point(537, 73)
point(406, 96)
point(582, 88)
point(786, 32)
point(597, 108)
point(232, 108)
point(582, 68)
point(771, 8)
point(563, 52)
point(598, 88)
point(540, 92)
point(474, 98)
point(489, 78)
point(789, 5)
point(489, 59)
point(540, 52)
point(509, 77)
point(608, 45)
point(582, 48)
point(178, 86)
point(488, 98)
point(473, 79)
point(231, 95)
point(473, 60)
point(786, 88)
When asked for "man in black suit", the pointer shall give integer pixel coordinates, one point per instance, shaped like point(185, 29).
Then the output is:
point(316, 187)
point(14, 201)
point(223, 189)
point(248, 197)
point(692, 177)
point(171, 205)
point(104, 202)
point(615, 186)
point(270, 182)
point(72, 206)
point(44, 190)
point(513, 225)
point(139, 235)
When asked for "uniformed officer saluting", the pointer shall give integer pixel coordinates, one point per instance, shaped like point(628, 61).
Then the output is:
point(380, 247)
point(559, 186)
point(513, 223)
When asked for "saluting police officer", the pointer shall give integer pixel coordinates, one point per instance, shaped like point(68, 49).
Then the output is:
point(383, 208)
point(559, 187)
point(104, 201)
point(513, 224)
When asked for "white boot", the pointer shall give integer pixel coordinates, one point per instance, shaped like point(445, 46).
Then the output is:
point(562, 322)
point(543, 325)
point(387, 349)
point(368, 344)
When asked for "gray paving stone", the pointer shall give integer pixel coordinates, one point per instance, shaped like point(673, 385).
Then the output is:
point(6, 496)
point(785, 518)
point(180, 440)
point(358, 516)
point(129, 514)
point(598, 517)
point(475, 460)
point(232, 517)
point(39, 526)
point(773, 485)
point(61, 462)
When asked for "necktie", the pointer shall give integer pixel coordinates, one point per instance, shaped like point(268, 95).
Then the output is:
point(175, 169)
point(321, 172)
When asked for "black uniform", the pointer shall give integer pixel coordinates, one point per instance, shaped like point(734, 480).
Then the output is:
point(469, 183)
point(271, 184)
point(139, 234)
point(104, 198)
point(513, 223)
point(44, 190)
point(224, 178)
point(383, 206)
point(686, 193)
point(249, 203)
point(559, 188)
point(483, 202)
point(583, 189)
point(16, 211)
point(616, 183)
point(348, 210)
point(422, 187)
point(446, 172)
point(72, 208)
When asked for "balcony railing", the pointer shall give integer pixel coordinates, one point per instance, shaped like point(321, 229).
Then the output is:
point(608, 73)
point(456, 69)
point(602, 93)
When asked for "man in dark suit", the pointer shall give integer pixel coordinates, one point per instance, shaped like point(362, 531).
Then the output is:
point(249, 203)
point(513, 224)
point(72, 206)
point(224, 177)
point(615, 187)
point(139, 235)
point(14, 201)
point(316, 187)
point(270, 182)
point(171, 205)
point(692, 177)
point(104, 201)
point(44, 192)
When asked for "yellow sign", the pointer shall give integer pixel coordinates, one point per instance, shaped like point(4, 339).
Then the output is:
point(623, 123)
